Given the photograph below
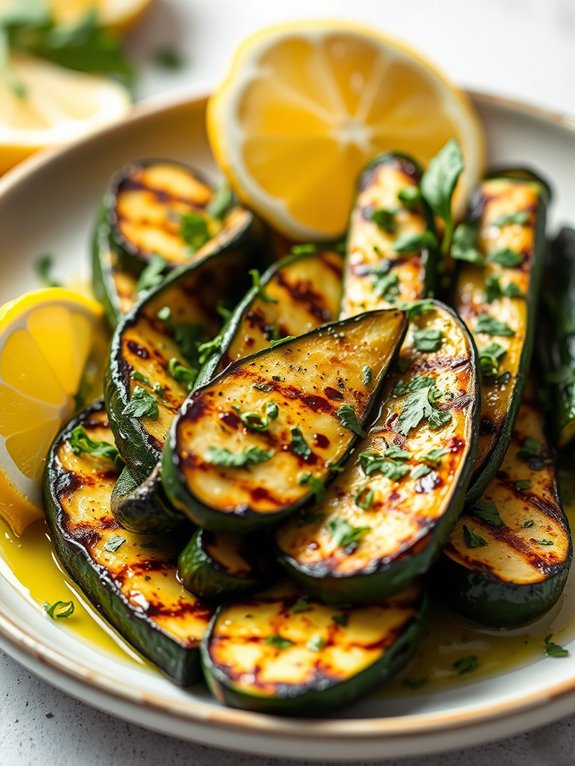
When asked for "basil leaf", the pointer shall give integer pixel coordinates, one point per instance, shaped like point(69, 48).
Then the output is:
point(472, 539)
point(488, 512)
point(384, 219)
point(194, 231)
point(464, 246)
point(438, 185)
point(507, 258)
point(348, 419)
point(427, 340)
point(411, 243)
point(142, 404)
point(490, 326)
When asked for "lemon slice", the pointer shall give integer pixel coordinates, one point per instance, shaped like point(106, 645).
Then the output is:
point(46, 339)
point(306, 105)
point(52, 105)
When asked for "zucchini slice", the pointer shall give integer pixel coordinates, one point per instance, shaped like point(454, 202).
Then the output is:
point(130, 578)
point(143, 507)
point(507, 560)
point(115, 287)
point(392, 253)
point(154, 355)
point(215, 565)
point(558, 340)
point(283, 652)
point(384, 519)
point(293, 297)
point(250, 447)
point(167, 209)
point(498, 302)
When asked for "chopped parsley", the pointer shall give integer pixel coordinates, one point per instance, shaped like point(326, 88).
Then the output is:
point(489, 326)
point(490, 358)
point(421, 405)
point(114, 543)
point(43, 267)
point(494, 289)
point(140, 377)
point(256, 422)
point(307, 248)
point(529, 448)
point(488, 512)
point(528, 524)
point(395, 453)
point(464, 247)
point(552, 649)
point(222, 201)
point(545, 542)
point(60, 610)
point(410, 195)
point(182, 373)
point(152, 276)
point(301, 605)
point(279, 642)
point(472, 539)
point(142, 404)
point(248, 457)
point(427, 340)
point(410, 243)
point(466, 664)
point(344, 534)
point(438, 185)
point(299, 444)
point(507, 258)
point(363, 498)
point(257, 285)
point(194, 230)
point(522, 484)
point(279, 341)
point(209, 347)
point(188, 336)
point(316, 643)
point(386, 285)
point(80, 442)
point(366, 376)
point(348, 419)
point(420, 471)
point(372, 462)
point(384, 219)
point(521, 218)
point(316, 486)
point(433, 457)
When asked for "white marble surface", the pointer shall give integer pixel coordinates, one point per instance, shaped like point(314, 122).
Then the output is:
point(523, 49)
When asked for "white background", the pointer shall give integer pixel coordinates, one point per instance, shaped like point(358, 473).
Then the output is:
point(523, 49)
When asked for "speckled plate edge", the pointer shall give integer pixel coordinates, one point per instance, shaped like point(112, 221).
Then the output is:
point(328, 739)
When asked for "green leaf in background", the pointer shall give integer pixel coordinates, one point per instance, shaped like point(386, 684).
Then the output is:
point(438, 185)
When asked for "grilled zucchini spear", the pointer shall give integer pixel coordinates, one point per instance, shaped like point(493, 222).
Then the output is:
point(496, 295)
point(385, 518)
point(558, 339)
point(507, 560)
point(283, 652)
point(130, 578)
point(392, 250)
point(254, 444)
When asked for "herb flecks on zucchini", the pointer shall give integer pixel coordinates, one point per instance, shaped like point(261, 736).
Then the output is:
point(130, 578)
point(384, 519)
point(301, 292)
point(497, 299)
point(227, 476)
point(520, 569)
point(382, 268)
point(283, 652)
point(161, 336)
point(163, 208)
point(216, 566)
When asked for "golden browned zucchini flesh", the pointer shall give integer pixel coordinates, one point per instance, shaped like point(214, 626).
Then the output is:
point(251, 446)
point(283, 652)
point(497, 299)
point(130, 578)
point(507, 560)
point(382, 268)
point(385, 518)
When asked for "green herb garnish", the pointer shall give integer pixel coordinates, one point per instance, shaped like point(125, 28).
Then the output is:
point(552, 649)
point(114, 543)
point(545, 542)
point(222, 202)
point(410, 243)
point(521, 218)
point(80, 442)
point(466, 664)
point(152, 276)
point(506, 258)
point(306, 248)
point(209, 347)
point(420, 405)
point(60, 610)
point(386, 285)
point(316, 643)
point(438, 185)
point(488, 512)
point(169, 59)
point(248, 457)
point(257, 422)
point(279, 642)
point(522, 484)
point(366, 376)
point(182, 373)
point(142, 404)
point(257, 284)
point(363, 498)
point(384, 219)
point(433, 457)
point(43, 267)
point(494, 289)
point(472, 540)
point(348, 419)
point(489, 326)
point(140, 377)
point(395, 453)
point(489, 360)
point(301, 605)
point(427, 340)
point(420, 471)
point(410, 195)
point(194, 230)
point(280, 341)
point(528, 524)
point(299, 444)
point(415, 683)
point(464, 247)
point(372, 462)
point(317, 486)
point(344, 534)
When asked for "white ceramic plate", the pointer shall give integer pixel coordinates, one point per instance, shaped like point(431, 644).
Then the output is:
point(48, 205)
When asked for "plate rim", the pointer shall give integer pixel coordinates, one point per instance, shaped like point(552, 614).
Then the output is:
point(197, 711)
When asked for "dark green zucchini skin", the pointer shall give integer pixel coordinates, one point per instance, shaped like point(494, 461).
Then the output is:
point(140, 565)
point(306, 293)
point(202, 284)
point(497, 421)
point(418, 532)
point(557, 343)
point(245, 518)
point(114, 287)
point(370, 248)
point(324, 691)
point(211, 579)
point(143, 507)
point(236, 228)
point(519, 569)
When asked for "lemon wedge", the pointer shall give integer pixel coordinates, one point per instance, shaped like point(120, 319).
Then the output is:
point(305, 106)
point(46, 340)
point(52, 105)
